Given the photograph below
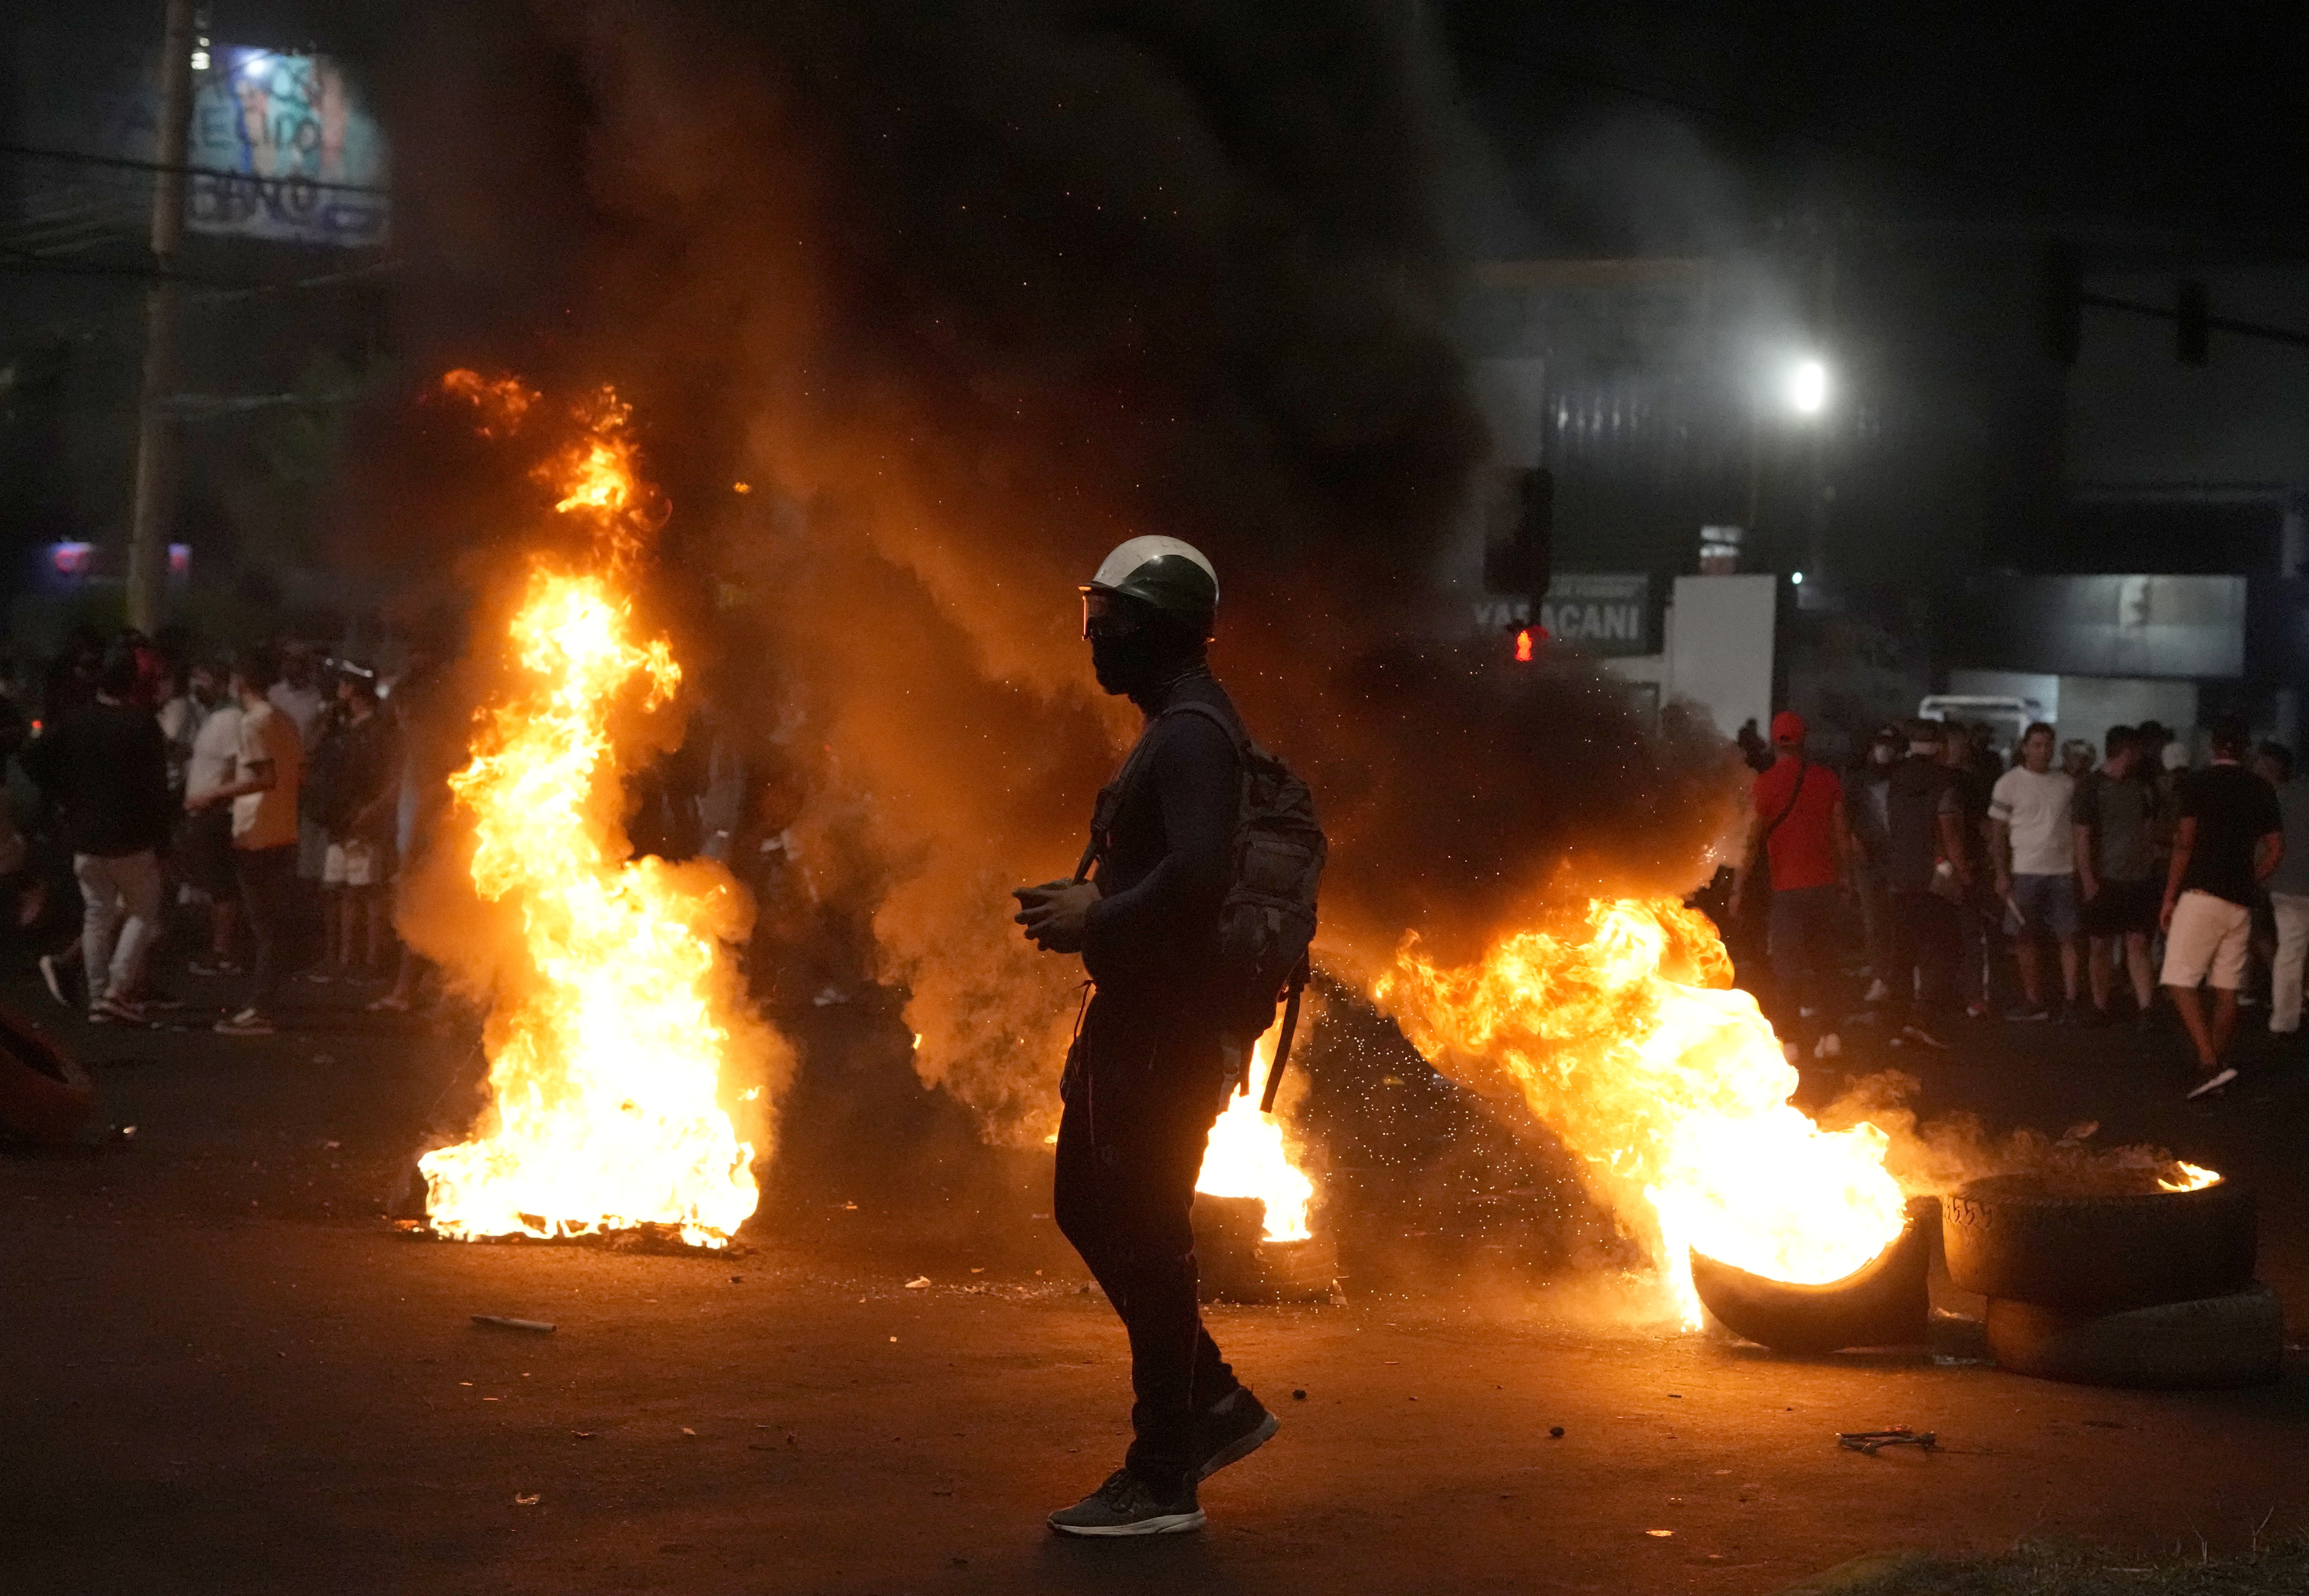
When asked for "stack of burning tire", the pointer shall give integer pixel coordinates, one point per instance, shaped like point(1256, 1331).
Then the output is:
point(2103, 1285)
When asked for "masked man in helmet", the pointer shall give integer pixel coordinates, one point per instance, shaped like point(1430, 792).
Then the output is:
point(1149, 1072)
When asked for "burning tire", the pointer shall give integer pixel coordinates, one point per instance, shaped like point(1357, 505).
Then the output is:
point(1237, 1264)
point(44, 1095)
point(2019, 1238)
point(1881, 1304)
point(2234, 1338)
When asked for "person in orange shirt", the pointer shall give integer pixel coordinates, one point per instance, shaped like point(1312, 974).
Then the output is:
point(1797, 823)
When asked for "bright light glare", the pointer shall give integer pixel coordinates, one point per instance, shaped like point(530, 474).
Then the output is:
point(1808, 387)
point(1797, 579)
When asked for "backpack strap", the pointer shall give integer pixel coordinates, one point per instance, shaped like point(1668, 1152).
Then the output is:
point(1121, 786)
point(1803, 769)
point(1283, 1042)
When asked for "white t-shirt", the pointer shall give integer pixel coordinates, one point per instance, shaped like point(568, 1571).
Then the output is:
point(216, 750)
point(302, 705)
point(2035, 806)
point(268, 819)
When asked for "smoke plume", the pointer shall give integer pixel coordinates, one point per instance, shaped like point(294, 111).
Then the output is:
point(963, 294)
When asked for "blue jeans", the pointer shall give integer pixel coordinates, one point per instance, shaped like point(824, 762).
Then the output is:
point(2042, 906)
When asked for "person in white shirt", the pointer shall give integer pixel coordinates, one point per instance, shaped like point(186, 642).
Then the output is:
point(179, 715)
point(268, 771)
point(2036, 853)
point(302, 696)
point(207, 846)
point(297, 695)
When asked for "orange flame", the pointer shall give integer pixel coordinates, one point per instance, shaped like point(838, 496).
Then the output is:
point(2190, 1177)
point(501, 401)
point(1669, 1086)
point(1246, 1157)
point(607, 1053)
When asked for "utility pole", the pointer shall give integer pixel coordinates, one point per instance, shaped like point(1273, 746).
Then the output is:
point(148, 527)
point(1824, 323)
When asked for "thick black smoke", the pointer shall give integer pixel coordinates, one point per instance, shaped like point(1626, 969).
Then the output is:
point(965, 293)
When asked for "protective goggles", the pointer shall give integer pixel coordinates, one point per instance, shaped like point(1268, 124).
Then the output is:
point(1104, 617)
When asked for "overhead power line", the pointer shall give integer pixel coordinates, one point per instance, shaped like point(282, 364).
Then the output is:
point(219, 288)
point(130, 164)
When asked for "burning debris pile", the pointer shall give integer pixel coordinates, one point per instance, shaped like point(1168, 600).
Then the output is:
point(1622, 1032)
point(616, 1026)
point(1667, 1083)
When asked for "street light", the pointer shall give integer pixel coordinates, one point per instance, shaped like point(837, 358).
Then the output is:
point(1807, 387)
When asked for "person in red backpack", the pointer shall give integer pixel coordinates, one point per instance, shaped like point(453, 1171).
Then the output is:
point(1150, 1070)
point(1798, 824)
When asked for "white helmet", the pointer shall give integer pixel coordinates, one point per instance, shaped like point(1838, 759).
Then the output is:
point(1166, 574)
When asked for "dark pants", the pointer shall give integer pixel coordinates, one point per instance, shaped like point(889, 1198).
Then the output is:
point(1980, 919)
point(1925, 949)
point(1803, 950)
point(1141, 1096)
point(268, 888)
point(1875, 920)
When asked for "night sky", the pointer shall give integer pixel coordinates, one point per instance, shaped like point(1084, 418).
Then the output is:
point(2184, 117)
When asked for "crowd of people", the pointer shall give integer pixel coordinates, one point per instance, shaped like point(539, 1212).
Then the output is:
point(254, 809)
point(2120, 872)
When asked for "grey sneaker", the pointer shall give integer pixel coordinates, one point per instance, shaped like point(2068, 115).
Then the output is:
point(2212, 1083)
point(117, 1011)
point(1232, 1429)
point(1126, 1505)
point(249, 1022)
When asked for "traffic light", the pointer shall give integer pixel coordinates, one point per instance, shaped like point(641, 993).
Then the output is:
point(2191, 312)
point(2060, 312)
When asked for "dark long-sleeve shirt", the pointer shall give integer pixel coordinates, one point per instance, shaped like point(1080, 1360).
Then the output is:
point(1152, 938)
point(106, 768)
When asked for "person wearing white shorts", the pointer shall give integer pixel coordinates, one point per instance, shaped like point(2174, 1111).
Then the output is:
point(2231, 837)
point(354, 864)
point(356, 803)
point(2207, 936)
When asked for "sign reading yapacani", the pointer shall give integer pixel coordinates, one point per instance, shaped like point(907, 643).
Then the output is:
point(282, 148)
point(1599, 612)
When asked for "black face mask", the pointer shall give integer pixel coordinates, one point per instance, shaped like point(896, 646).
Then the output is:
point(1124, 663)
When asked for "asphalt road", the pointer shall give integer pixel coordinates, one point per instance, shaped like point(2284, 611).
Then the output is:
point(227, 1373)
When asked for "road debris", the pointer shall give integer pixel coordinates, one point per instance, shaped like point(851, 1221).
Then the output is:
point(499, 1321)
point(918, 1282)
point(1871, 1441)
point(1555, 1432)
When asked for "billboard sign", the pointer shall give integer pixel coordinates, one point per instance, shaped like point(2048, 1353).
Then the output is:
point(1600, 612)
point(283, 149)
